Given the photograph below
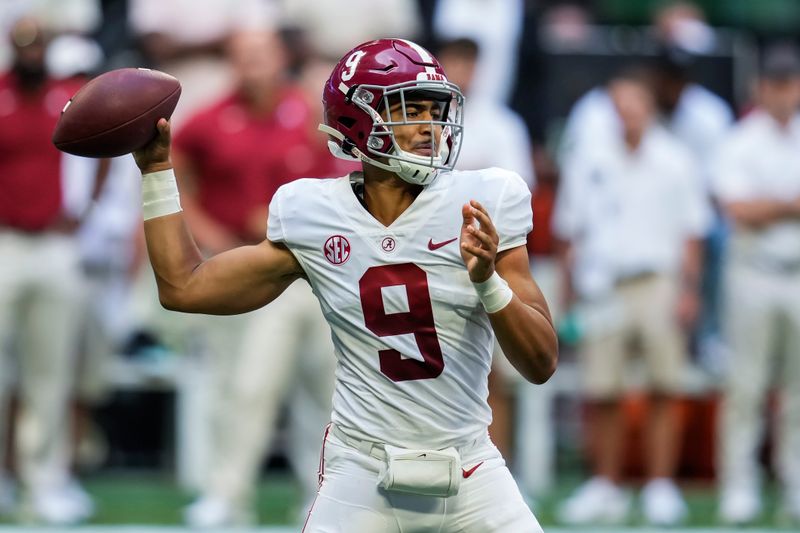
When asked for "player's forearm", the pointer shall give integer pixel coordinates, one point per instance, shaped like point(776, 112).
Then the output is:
point(528, 339)
point(174, 256)
point(759, 213)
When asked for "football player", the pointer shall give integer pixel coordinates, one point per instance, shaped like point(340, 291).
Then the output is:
point(417, 267)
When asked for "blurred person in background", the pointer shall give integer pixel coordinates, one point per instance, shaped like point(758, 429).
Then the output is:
point(110, 257)
point(186, 38)
point(757, 181)
point(331, 26)
point(498, 136)
point(495, 136)
point(40, 283)
point(632, 212)
point(698, 118)
point(232, 157)
point(58, 17)
point(496, 25)
point(682, 24)
point(99, 192)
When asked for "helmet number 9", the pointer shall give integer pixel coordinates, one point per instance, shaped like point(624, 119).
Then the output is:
point(352, 63)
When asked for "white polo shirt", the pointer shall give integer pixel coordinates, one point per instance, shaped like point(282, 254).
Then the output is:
point(701, 120)
point(761, 161)
point(628, 213)
point(495, 136)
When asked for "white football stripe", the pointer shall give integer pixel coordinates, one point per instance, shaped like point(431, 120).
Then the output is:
point(426, 57)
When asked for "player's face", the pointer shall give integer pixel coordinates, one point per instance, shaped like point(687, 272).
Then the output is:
point(257, 58)
point(634, 104)
point(28, 45)
point(421, 137)
point(460, 69)
point(781, 96)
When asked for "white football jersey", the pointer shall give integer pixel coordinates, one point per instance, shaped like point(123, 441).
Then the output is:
point(413, 343)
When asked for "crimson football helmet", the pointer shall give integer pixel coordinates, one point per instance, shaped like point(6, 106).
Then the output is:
point(357, 97)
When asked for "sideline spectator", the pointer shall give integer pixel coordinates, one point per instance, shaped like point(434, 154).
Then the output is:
point(757, 181)
point(634, 267)
point(186, 38)
point(40, 283)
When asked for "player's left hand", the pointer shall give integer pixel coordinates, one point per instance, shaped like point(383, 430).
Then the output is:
point(478, 241)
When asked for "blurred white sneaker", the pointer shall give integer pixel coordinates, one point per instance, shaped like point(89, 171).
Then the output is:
point(212, 512)
point(58, 507)
point(80, 497)
point(662, 503)
point(598, 501)
point(739, 506)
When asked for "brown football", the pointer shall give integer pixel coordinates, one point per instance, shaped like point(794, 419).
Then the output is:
point(116, 112)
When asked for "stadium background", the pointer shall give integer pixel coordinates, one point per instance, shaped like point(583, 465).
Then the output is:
point(135, 474)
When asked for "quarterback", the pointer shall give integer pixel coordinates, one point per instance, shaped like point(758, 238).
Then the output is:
point(417, 268)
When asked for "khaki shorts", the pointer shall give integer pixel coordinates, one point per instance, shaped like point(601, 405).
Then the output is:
point(642, 322)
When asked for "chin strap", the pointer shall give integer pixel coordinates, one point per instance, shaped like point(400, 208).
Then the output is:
point(358, 155)
point(417, 173)
point(335, 148)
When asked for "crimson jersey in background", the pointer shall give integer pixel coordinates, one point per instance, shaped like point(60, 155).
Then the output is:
point(30, 166)
point(240, 160)
point(541, 242)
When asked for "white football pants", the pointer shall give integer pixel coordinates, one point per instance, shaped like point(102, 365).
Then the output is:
point(350, 501)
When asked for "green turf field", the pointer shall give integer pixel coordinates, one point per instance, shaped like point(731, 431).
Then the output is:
point(153, 504)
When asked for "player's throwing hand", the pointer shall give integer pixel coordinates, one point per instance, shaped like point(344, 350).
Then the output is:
point(478, 241)
point(155, 155)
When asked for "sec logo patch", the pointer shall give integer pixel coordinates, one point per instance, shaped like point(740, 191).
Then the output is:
point(336, 250)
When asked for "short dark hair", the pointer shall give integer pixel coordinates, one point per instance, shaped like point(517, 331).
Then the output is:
point(640, 73)
point(780, 61)
point(675, 62)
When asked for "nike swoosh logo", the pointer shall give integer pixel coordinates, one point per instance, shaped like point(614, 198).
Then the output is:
point(467, 473)
point(436, 246)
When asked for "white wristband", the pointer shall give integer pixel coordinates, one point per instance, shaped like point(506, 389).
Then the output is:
point(494, 293)
point(160, 194)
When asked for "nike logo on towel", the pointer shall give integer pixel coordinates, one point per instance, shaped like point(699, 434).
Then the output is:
point(467, 473)
point(436, 246)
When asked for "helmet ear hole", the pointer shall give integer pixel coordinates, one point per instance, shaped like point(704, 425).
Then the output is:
point(347, 122)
